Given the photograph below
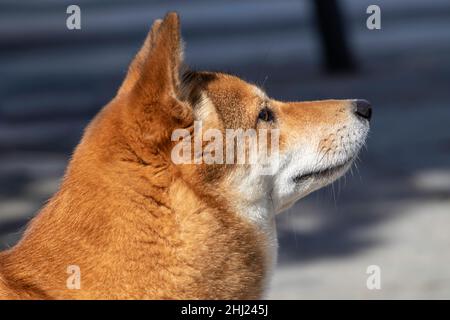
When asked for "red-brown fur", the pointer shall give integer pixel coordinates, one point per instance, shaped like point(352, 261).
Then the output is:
point(135, 225)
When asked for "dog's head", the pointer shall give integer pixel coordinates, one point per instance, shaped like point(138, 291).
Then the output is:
point(164, 109)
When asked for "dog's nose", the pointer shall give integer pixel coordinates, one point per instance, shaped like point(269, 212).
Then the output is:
point(363, 108)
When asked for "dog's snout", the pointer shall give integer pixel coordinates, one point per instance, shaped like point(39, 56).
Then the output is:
point(363, 108)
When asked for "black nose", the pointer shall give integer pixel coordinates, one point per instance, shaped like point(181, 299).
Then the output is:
point(363, 108)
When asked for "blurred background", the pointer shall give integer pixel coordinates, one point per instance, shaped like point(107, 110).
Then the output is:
point(392, 211)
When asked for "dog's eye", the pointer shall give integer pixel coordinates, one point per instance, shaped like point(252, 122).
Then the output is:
point(266, 115)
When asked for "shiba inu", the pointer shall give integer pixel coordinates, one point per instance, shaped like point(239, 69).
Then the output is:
point(129, 222)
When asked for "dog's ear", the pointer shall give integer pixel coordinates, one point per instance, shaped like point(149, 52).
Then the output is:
point(155, 69)
point(137, 65)
point(153, 80)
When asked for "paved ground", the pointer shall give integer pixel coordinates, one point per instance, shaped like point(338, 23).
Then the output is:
point(393, 211)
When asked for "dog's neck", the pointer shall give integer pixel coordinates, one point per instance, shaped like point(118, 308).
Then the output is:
point(124, 241)
point(260, 212)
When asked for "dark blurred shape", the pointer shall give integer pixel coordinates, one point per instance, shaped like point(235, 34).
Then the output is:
point(337, 55)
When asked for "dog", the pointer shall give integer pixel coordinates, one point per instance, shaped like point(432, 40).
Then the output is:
point(130, 223)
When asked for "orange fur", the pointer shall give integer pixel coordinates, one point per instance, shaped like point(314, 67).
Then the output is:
point(136, 227)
